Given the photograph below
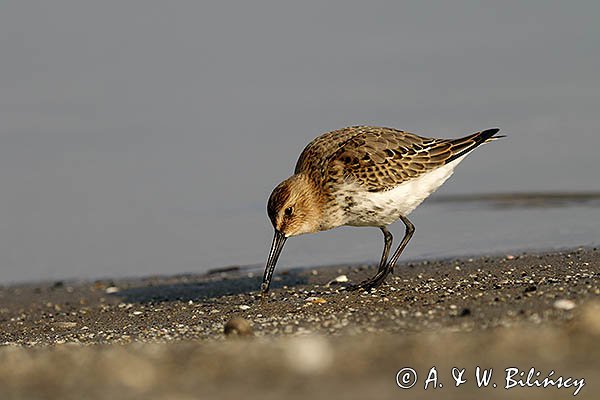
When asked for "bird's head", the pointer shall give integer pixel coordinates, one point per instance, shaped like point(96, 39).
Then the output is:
point(294, 208)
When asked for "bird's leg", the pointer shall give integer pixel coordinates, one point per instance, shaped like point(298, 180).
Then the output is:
point(387, 243)
point(383, 273)
point(408, 234)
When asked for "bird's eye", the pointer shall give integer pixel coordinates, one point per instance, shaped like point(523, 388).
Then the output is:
point(288, 211)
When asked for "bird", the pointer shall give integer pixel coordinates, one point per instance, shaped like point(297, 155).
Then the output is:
point(364, 176)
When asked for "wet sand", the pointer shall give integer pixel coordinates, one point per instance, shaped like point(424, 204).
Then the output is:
point(163, 337)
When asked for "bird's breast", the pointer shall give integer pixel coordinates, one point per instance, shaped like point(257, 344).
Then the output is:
point(365, 208)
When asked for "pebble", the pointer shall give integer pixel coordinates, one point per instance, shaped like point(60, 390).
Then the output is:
point(239, 327)
point(338, 279)
point(244, 307)
point(111, 289)
point(315, 300)
point(64, 325)
point(564, 304)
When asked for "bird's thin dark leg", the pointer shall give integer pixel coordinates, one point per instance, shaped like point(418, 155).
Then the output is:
point(382, 274)
point(410, 230)
point(387, 243)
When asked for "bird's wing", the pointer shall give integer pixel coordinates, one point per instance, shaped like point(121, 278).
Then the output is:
point(316, 155)
point(379, 159)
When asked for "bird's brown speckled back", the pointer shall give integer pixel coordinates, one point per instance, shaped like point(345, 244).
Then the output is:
point(379, 158)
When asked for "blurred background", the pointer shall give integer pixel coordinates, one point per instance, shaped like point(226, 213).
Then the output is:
point(144, 137)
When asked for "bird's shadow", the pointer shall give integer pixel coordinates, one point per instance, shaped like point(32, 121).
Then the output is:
point(201, 288)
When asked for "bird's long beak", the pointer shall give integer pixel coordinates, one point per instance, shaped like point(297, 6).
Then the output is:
point(278, 242)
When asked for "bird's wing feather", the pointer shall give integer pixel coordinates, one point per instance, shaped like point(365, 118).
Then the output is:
point(379, 159)
point(316, 155)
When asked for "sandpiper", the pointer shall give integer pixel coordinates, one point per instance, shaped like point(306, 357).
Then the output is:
point(363, 176)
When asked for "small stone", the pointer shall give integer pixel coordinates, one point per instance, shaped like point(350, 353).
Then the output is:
point(137, 313)
point(315, 300)
point(564, 304)
point(64, 325)
point(244, 307)
point(338, 279)
point(239, 327)
point(464, 312)
point(111, 289)
point(531, 288)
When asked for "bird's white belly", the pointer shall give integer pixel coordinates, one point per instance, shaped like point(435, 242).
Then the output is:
point(384, 208)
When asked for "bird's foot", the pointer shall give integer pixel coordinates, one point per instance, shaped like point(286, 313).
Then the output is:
point(368, 284)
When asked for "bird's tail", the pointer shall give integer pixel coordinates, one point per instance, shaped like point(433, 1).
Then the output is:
point(466, 144)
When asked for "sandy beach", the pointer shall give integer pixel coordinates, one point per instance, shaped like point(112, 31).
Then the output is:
point(163, 337)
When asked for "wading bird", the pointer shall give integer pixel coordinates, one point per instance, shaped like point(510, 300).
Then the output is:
point(363, 176)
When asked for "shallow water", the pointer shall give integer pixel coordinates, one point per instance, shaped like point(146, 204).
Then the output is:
point(464, 225)
point(151, 147)
point(446, 226)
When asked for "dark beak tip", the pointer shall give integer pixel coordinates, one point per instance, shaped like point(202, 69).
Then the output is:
point(276, 247)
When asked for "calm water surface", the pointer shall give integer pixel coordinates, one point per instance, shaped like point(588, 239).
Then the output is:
point(462, 225)
point(144, 137)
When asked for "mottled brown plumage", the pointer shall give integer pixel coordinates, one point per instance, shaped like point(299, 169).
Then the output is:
point(378, 158)
point(363, 176)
